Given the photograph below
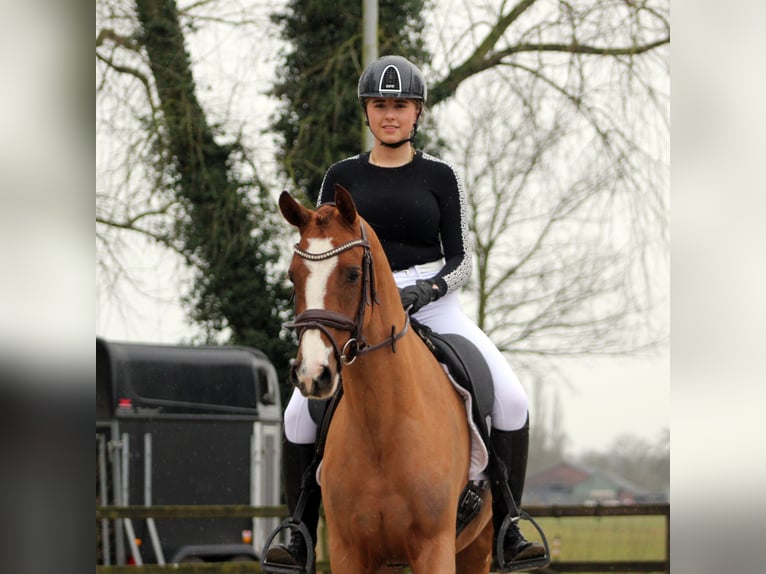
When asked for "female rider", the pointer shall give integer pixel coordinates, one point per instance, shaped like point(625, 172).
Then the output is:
point(417, 206)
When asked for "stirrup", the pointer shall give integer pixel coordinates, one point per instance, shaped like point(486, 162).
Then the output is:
point(524, 564)
point(295, 528)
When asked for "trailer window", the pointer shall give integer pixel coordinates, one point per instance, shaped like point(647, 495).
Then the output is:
point(194, 386)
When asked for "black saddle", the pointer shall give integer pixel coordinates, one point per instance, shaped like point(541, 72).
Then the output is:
point(467, 366)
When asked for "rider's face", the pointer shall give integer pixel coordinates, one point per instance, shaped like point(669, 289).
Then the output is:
point(391, 119)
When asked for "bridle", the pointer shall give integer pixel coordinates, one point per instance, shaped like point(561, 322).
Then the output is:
point(322, 319)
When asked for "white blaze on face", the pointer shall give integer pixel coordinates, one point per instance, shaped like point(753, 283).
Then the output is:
point(315, 352)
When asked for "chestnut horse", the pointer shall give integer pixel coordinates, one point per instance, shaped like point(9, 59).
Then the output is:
point(396, 456)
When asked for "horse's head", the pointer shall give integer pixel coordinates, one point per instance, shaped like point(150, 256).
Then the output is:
point(332, 274)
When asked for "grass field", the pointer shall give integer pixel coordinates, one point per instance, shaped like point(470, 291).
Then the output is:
point(602, 538)
point(595, 539)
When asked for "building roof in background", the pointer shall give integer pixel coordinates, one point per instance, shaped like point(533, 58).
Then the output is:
point(570, 483)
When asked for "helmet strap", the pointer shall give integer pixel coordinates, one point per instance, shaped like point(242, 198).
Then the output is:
point(399, 143)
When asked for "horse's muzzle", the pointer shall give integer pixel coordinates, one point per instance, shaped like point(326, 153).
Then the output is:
point(320, 386)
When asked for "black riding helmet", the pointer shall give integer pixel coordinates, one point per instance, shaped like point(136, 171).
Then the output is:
point(393, 77)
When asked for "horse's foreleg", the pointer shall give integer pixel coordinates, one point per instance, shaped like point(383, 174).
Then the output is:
point(475, 542)
point(476, 558)
point(436, 556)
point(344, 560)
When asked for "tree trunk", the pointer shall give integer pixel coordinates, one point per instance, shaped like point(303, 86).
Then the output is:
point(218, 235)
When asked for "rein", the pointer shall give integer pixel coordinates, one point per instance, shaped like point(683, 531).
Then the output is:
point(323, 320)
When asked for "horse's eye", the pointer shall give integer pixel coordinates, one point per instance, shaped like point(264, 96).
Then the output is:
point(290, 277)
point(353, 274)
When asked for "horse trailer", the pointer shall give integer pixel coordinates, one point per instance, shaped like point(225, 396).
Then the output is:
point(185, 425)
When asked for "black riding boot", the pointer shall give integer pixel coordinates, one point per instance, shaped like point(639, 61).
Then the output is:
point(511, 448)
point(296, 459)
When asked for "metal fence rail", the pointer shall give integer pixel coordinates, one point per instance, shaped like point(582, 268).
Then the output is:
point(211, 511)
point(206, 568)
point(244, 511)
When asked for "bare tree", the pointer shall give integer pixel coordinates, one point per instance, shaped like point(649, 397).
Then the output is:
point(135, 194)
point(560, 129)
point(132, 196)
point(222, 220)
point(532, 35)
point(563, 144)
point(644, 462)
point(547, 440)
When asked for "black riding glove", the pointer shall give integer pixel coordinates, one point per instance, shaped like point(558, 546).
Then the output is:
point(416, 296)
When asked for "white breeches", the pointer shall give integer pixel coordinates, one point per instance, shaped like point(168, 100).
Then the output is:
point(443, 316)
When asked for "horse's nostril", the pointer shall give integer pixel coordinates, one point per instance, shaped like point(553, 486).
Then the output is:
point(294, 373)
point(324, 380)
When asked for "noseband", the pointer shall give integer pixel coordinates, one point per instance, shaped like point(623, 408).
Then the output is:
point(322, 319)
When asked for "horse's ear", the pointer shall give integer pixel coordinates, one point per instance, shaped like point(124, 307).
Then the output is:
point(345, 204)
point(295, 213)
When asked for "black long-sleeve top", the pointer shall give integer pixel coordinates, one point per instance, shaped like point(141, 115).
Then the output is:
point(419, 212)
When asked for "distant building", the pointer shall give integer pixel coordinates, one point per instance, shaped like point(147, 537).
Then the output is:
point(568, 483)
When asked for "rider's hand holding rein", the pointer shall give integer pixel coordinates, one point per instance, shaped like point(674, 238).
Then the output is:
point(417, 296)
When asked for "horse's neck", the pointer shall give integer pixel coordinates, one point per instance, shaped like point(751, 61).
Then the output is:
point(381, 386)
point(388, 378)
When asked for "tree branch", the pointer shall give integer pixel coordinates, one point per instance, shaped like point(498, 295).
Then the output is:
point(486, 55)
point(130, 225)
point(574, 48)
point(131, 71)
point(118, 39)
point(476, 62)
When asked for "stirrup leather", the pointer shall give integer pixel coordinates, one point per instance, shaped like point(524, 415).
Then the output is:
point(295, 523)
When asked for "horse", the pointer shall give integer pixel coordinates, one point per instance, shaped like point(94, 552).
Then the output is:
point(397, 449)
